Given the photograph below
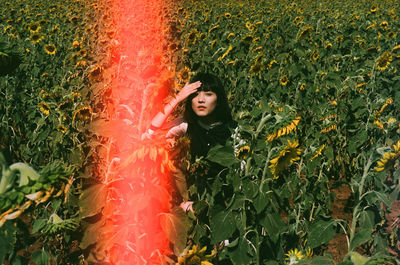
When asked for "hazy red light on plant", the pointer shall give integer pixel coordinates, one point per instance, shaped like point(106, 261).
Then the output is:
point(138, 81)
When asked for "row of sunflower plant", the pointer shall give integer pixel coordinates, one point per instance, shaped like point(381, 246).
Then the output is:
point(47, 65)
point(313, 85)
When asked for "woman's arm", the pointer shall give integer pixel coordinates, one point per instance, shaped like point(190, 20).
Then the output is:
point(160, 118)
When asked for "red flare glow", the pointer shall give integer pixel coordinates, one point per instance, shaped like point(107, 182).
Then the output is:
point(138, 182)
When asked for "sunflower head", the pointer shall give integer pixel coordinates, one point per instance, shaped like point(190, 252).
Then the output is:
point(243, 152)
point(50, 49)
point(196, 256)
point(374, 9)
point(95, 74)
point(294, 256)
point(34, 27)
point(383, 62)
point(257, 68)
point(44, 108)
point(184, 75)
point(36, 37)
point(61, 128)
point(76, 44)
point(287, 156)
point(384, 25)
point(83, 114)
point(284, 80)
point(247, 38)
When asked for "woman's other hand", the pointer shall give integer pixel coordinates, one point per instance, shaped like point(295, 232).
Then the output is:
point(187, 90)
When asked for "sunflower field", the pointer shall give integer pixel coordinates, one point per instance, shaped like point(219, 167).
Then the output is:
point(314, 86)
point(311, 172)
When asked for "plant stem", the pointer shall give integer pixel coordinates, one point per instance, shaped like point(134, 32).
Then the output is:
point(360, 194)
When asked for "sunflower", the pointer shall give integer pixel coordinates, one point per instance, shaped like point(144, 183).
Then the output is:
point(211, 29)
point(339, 38)
point(44, 107)
point(384, 25)
point(387, 103)
point(226, 53)
point(227, 15)
point(329, 128)
point(247, 38)
point(83, 113)
point(195, 256)
point(82, 53)
point(292, 126)
point(303, 86)
point(213, 43)
point(383, 62)
point(315, 55)
point(192, 36)
point(391, 120)
point(36, 37)
point(318, 152)
point(372, 26)
point(309, 253)
point(250, 26)
point(62, 128)
point(95, 74)
point(257, 49)
point(230, 35)
point(379, 124)
point(34, 27)
point(243, 152)
point(389, 158)
point(184, 74)
point(374, 9)
point(284, 80)
point(74, 19)
point(305, 32)
point(81, 63)
point(50, 49)
point(395, 48)
point(272, 62)
point(257, 68)
point(55, 28)
point(76, 44)
point(172, 47)
point(289, 154)
point(75, 96)
point(361, 85)
point(294, 256)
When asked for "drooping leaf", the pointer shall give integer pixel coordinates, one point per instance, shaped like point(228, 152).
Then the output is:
point(321, 232)
point(92, 200)
point(222, 155)
point(222, 226)
point(41, 257)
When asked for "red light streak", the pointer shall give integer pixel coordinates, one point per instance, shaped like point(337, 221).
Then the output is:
point(137, 177)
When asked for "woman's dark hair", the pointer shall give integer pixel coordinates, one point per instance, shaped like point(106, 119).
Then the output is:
point(209, 82)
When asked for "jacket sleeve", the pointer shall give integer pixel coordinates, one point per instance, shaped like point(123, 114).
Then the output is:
point(176, 127)
point(177, 130)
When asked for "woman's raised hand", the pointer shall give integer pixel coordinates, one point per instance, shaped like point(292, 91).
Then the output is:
point(187, 90)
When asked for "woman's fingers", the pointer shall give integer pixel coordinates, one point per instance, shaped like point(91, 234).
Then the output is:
point(188, 89)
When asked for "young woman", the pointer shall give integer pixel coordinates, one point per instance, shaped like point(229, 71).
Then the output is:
point(206, 120)
point(207, 116)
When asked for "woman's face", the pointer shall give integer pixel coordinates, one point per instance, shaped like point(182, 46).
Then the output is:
point(204, 103)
